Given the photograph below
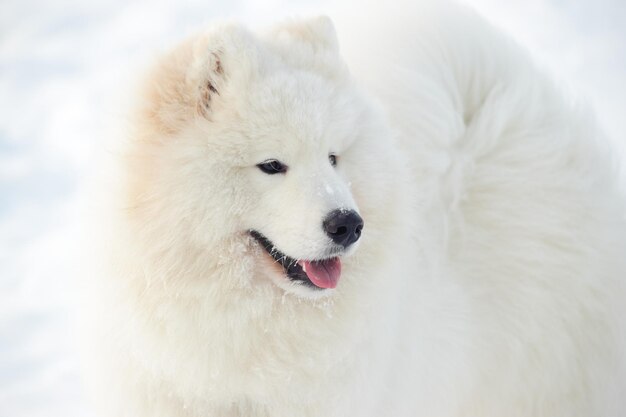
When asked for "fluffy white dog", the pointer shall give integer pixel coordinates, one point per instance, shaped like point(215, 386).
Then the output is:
point(428, 228)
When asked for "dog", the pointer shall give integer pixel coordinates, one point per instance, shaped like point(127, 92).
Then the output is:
point(420, 224)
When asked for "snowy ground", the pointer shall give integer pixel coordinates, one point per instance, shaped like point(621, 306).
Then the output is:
point(62, 66)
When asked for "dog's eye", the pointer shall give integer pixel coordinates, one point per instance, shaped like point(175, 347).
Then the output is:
point(332, 159)
point(272, 167)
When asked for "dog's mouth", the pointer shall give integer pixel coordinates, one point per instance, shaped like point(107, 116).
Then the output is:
point(317, 274)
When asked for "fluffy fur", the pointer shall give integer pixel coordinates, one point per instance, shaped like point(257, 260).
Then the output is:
point(489, 277)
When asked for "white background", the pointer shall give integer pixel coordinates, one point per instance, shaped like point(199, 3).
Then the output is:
point(63, 67)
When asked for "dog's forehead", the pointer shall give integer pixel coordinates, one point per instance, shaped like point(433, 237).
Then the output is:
point(302, 108)
point(296, 92)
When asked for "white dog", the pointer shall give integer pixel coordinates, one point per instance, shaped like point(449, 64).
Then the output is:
point(434, 232)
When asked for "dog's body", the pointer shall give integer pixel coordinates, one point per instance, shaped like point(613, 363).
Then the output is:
point(489, 274)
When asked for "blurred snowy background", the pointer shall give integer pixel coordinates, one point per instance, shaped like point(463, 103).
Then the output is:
point(63, 67)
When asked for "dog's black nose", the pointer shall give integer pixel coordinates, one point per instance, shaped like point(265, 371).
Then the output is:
point(343, 226)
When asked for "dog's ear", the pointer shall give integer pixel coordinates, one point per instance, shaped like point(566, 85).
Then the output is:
point(317, 32)
point(208, 77)
point(189, 82)
point(228, 54)
point(310, 44)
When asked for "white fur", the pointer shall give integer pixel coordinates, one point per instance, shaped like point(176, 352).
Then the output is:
point(489, 278)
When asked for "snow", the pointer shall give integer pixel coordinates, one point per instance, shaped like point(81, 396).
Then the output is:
point(62, 67)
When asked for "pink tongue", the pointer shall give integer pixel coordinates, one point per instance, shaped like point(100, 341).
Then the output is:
point(324, 274)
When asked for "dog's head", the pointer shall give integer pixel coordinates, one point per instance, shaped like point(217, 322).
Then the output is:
point(265, 144)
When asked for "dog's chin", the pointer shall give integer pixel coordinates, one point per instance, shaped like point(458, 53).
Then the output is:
point(312, 279)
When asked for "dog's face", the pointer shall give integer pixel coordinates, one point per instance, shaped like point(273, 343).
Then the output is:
point(273, 145)
point(297, 169)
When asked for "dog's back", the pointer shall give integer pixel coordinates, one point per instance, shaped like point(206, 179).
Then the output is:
point(519, 210)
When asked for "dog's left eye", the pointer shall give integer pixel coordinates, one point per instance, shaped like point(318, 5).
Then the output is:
point(332, 159)
point(272, 166)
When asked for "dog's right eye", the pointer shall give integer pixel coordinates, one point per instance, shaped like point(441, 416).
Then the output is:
point(272, 167)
